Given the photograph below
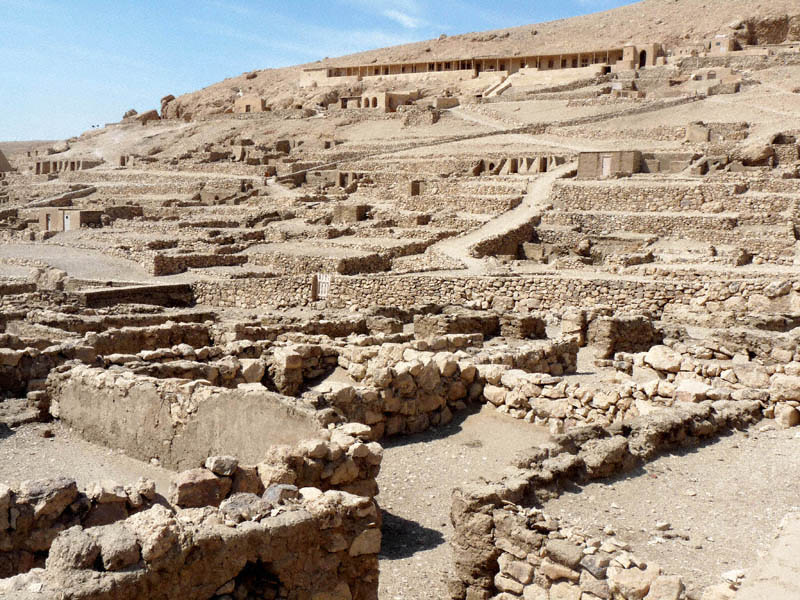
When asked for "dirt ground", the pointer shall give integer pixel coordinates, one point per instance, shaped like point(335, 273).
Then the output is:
point(26, 454)
point(417, 477)
point(723, 503)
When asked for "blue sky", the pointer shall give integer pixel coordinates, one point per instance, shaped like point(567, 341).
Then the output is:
point(66, 65)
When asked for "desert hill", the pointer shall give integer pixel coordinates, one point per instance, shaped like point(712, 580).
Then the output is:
point(671, 22)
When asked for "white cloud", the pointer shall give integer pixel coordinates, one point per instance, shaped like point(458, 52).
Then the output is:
point(404, 19)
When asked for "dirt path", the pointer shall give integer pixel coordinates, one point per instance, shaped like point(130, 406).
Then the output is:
point(458, 248)
point(416, 480)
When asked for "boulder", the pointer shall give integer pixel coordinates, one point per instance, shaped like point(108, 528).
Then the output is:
point(663, 358)
point(787, 416)
point(784, 388)
point(73, 549)
point(119, 547)
point(633, 583)
point(224, 466)
point(690, 390)
point(198, 488)
point(666, 588)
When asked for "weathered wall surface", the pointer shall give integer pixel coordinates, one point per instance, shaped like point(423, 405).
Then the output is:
point(514, 293)
point(181, 423)
point(321, 546)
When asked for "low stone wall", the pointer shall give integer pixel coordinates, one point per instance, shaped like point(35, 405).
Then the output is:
point(507, 243)
point(179, 422)
point(24, 369)
point(33, 513)
point(724, 229)
point(430, 326)
point(648, 196)
point(341, 327)
point(652, 197)
point(503, 545)
point(343, 459)
point(171, 264)
point(320, 546)
point(83, 323)
point(631, 333)
point(14, 288)
point(404, 389)
point(542, 292)
point(162, 295)
point(131, 340)
point(287, 263)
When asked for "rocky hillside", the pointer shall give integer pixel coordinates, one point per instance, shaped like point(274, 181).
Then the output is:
point(672, 22)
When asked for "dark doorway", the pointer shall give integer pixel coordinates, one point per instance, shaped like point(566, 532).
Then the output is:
point(642, 59)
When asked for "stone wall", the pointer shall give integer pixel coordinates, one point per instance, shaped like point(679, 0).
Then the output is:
point(33, 513)
point(131, 340)
point(161, 295)
point(319, 546)
point(536, 292)
point(407, 388)
point(171, 264)
point(507, 243)
point(502, 543)
point(343, 459)
point(179, 422)
point(288, 263)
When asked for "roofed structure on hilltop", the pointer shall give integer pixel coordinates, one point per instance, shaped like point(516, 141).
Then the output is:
point(621, 58)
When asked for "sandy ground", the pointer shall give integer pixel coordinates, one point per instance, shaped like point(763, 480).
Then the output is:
point(26, 454)
point(79, 263)
point(416, 480)
point(723, 502)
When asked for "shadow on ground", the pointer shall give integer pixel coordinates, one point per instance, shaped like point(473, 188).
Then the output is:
point(434, 433)
point(403, 538)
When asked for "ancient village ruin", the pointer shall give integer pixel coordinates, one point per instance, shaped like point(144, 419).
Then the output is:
point(508, 315)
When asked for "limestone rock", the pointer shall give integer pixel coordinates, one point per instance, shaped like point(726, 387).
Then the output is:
point(663, 358)
point(280, 493)
point(690, 390)
point(784, 388)
point(224, 466)
point(787, 416)
point(49, 496)
point(119, 547)
point(665, 588)
point(197, 488)
point(368, 542)
point(718, 592)
point(633, 583)
point(564, 553)
point(73, 549)
point(565, 591)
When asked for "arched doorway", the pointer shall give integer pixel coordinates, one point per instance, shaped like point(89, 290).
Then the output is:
point(643, 59)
